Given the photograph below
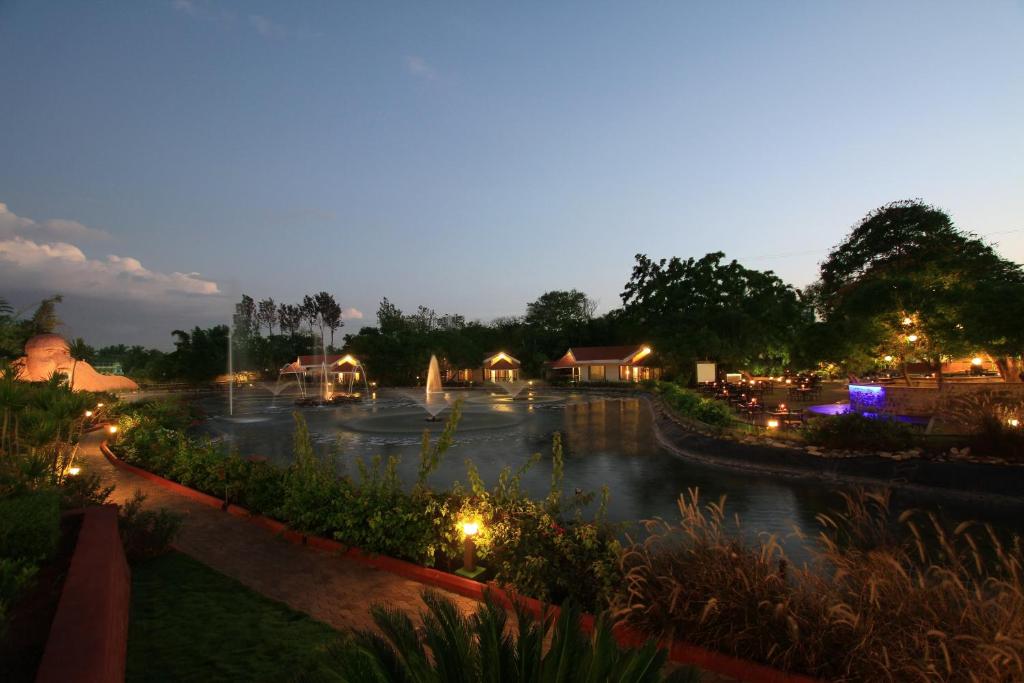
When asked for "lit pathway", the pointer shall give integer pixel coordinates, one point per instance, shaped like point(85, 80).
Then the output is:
point(328, 588)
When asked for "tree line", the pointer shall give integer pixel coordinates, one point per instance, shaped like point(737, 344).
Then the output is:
point(905, 285)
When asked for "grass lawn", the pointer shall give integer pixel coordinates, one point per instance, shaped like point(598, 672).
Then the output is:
point(189, 622)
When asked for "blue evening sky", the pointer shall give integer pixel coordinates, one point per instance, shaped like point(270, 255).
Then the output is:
point(470, 156)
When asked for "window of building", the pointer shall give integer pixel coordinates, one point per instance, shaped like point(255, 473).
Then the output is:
point(597, 373)
point(623, 373)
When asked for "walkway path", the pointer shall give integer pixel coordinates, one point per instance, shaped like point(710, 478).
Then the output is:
point(331, 589)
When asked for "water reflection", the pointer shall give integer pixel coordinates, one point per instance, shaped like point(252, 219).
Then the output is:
point(608, 441)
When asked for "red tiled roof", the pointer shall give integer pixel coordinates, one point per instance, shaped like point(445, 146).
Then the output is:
point(590, 354)
point(318, 359)
point(599, 354)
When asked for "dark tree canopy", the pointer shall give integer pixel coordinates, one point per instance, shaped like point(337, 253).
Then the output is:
point(711, 309)
point(907, 270)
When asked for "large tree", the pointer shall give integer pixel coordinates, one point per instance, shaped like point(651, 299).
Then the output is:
point(709, 308)
point(266, 314)
point(907, 283)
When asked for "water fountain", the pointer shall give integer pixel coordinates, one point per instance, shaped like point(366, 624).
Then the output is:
point(434, 399)
point(514, 388)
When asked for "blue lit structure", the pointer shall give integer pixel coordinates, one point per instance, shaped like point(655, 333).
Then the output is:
point(867, 398)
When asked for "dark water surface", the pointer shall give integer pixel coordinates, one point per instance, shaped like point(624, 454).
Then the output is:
point(608, 440)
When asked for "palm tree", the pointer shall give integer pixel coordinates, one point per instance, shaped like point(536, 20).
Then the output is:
point(481, 648)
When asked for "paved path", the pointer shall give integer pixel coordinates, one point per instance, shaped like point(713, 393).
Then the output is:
point(329, 588)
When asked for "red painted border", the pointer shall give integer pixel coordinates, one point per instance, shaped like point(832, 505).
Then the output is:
point(88, 639)
point(679, 652)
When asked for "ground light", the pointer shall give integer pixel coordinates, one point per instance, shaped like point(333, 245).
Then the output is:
point(976, 361)
point(74, 470)
point(773, 424)
point(1013, 422)
point(88, 413)
point(469, 567)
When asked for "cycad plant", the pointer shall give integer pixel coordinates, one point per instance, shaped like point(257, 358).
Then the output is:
point(452, 647)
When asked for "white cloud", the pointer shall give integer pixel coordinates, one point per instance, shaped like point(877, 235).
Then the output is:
point(418, 67)
point(63, 267)
point(352, 314)
point(40, 256)
point(12, 225)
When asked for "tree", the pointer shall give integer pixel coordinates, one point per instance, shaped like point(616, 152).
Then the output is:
point(329, 312)
point(556, 310)
point(266, 314)
point(45, 320)
point(82, 351)
point(289, 318)
point(907, 282)
point(708, 308)
point(245, 321)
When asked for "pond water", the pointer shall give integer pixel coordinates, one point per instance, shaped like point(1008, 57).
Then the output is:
point(608, 440)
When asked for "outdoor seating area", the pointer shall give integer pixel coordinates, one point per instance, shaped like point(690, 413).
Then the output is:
point(767, 402)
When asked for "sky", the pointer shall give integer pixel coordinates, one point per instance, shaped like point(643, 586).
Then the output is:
point(160, 157)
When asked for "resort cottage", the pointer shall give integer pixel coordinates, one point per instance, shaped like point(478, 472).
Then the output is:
point(605, 364)
point(496, 367)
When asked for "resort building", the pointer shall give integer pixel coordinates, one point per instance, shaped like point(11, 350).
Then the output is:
point(606, 364)
point(341, 369)
point(496, 367)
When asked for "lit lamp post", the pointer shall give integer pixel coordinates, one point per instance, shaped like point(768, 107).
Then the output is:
point(469, 567)
point(112, 431)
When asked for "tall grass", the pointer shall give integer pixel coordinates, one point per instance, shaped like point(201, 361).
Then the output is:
point(886, 597)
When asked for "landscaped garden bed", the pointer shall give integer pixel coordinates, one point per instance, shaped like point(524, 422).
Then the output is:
point(682, 582)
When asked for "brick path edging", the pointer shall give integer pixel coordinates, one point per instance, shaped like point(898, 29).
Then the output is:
point(679, 652)
point(88, 640)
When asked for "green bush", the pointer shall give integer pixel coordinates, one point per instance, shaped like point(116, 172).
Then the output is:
point(692, 405)
point(535, 547)
point(853, 431)
point(146, 533)
point(30, 525)
point(15, 576)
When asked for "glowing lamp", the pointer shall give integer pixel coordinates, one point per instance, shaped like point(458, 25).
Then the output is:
point(88, 413)
point(908, 321)
point(1013, 422)
point(888, 359)
point(112, 429)
point(911, 338)
point(74, 470)
point(469, 568)
point(976, 361)
point(773, 424)
point(782, 406)
point(99, 405)
point(789, 381)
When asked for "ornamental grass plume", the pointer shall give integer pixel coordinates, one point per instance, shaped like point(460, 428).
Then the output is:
point(883, 598)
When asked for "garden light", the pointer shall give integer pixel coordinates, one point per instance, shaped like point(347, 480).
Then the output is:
point(888, 359)
point(112, 429)
point(911, 338)
point(1013, 422)
point(74, 471)
point(976, 361)
point(773, 424)
point(99, 405)
point(469, 567)
point(88, 413)
point(908, 321)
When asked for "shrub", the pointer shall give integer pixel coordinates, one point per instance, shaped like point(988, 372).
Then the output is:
point(30, 525)
point(85, 490)
point(481, 648)
point(692, 405)
point(854, 431)
point(311, 487)
point(998, 439)
point(15, 577)
point(263, 490)
point(146, 533)
point(919, 601)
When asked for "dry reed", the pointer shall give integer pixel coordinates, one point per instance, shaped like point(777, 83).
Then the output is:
point(883, 599)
